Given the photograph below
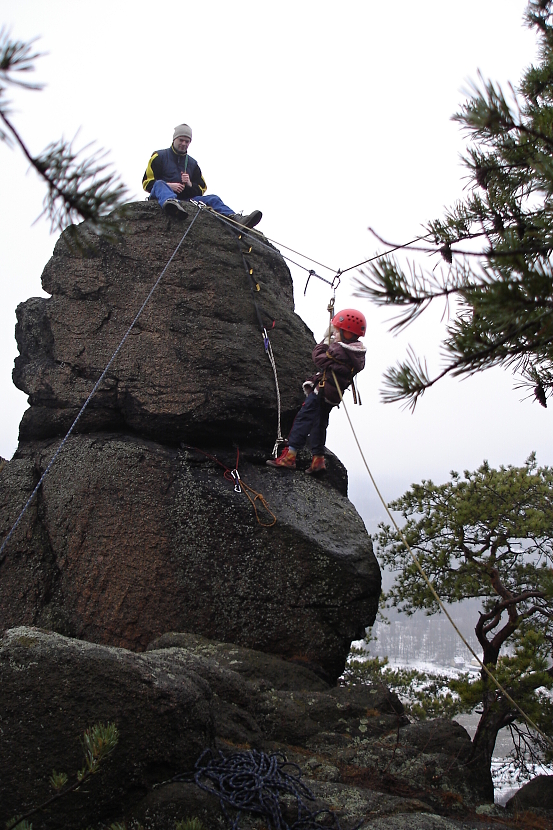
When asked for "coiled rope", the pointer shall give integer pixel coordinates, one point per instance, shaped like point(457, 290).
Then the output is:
point(255, 782)
point(95, 388)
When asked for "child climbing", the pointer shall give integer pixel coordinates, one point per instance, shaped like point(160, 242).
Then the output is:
point(344, 356)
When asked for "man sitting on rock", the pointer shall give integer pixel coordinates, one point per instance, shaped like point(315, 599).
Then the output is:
point(173, 177)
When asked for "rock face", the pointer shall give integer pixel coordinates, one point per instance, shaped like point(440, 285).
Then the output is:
point(352, 745)
point(133, 533)
point(194, 368)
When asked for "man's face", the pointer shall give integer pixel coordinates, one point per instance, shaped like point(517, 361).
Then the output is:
point(181, 144)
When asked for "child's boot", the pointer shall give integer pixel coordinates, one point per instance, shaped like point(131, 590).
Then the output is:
point(317, 465)
point(286, 459)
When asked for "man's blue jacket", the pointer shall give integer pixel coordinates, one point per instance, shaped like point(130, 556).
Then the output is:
point(168, 165)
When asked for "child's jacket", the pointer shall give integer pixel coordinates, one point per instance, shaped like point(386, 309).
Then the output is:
point(344, 359)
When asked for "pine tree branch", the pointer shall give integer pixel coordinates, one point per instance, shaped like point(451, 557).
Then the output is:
point(83, 188)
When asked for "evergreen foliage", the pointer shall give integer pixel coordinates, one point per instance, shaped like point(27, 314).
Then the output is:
point(496, 242)
point(487, 534)
point(78, 186)
point(98, 743)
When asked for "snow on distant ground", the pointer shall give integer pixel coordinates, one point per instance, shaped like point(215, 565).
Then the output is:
point(505, 779)
point(504, 774)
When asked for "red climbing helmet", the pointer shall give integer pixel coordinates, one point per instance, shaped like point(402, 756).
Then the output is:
point(350, 320)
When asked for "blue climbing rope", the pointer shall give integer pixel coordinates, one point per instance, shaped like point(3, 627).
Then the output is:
point(255, 782)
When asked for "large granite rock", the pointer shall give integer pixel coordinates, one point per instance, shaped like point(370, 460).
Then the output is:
point(194, 367)
point(174, 701)
point(133, 533)
point(129, 539)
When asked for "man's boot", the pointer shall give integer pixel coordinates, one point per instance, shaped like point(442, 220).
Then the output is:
point(249, 221)
point(174, 209)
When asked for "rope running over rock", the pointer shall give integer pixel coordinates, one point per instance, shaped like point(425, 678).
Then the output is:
point(95, 388)
point(255, 782)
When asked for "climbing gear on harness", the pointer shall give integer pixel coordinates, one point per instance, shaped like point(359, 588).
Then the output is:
point(355, 391)
point(318, 465)
point(174, 209)
point(249, 221)
point(286, 460)
point(350, 320)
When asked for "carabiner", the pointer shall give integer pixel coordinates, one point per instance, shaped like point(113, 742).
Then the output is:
point(236, 478)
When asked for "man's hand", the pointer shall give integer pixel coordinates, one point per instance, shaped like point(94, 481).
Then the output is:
point(176, 187)
point(185, 179)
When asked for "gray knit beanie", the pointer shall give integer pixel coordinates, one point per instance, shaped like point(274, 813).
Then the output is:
point(182, 130)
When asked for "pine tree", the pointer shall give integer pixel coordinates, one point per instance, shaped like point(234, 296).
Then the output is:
point(487, 534)
point(78, 187)
point(496, 242)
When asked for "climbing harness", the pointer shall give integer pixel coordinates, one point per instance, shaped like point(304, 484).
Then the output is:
point(96, 386)
point(431, 588)
point(332, 317)
point(240, 485)
point(255, 782)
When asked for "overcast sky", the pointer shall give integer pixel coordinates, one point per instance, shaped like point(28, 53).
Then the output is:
point(328, 117)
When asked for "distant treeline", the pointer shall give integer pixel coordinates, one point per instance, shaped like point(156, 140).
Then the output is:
point(420, 637)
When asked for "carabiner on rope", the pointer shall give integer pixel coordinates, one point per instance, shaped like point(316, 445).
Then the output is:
point(334, 283)
point(236, 478)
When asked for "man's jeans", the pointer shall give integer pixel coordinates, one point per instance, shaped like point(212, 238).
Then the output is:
point(161, 191)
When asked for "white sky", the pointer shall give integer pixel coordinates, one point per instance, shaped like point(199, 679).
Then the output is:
point(329, 118)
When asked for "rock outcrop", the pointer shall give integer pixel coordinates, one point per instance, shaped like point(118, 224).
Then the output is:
point(353, 745)
point(142, 589)
point(133, 533)
point(194, 368)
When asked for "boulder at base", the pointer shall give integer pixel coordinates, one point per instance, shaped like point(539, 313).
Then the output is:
point(129, 539)
point(352, 745)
